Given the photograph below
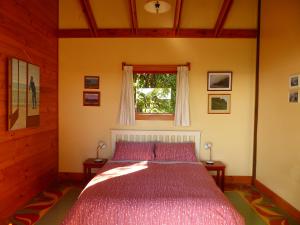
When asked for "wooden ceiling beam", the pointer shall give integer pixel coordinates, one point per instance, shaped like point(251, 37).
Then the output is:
point(159, 33)
point(89, 15)
point(177, 17)
point(238, 33)
point(133, 15)
point(222, 16)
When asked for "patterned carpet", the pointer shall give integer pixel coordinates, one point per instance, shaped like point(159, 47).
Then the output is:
point(39, 205)
point(256, 208)
point(269, 213)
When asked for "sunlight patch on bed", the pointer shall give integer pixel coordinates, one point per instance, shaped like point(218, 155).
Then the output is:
point(117, 172)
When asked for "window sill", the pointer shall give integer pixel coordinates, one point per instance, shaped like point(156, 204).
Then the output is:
point(153, 116)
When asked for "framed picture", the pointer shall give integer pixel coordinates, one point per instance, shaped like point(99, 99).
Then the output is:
point(294, 96)
point(91, 82)
point(219, 81)
point(294, 81)
point(219, 104)
point(23, 94)
point(91, 98)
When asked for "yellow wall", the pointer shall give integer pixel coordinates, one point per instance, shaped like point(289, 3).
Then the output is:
point(278, 165)
point(81, 127)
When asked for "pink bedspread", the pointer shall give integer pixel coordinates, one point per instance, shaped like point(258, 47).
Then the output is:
point(152, 193)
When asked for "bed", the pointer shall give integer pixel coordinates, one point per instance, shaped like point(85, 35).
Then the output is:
point(153, 178)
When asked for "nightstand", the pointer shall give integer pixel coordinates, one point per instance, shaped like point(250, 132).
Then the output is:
point(89, 164)
point(219, 167)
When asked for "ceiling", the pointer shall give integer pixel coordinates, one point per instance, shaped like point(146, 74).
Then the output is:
point(187, 18)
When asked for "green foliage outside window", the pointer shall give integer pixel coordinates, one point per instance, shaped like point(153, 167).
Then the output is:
point(155, 93)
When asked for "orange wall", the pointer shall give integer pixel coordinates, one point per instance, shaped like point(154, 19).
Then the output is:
point(28, 157)
point(81, 127)
point(278, 156)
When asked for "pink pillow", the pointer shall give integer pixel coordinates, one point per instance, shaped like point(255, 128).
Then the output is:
point(175, 151)
point(134, 151)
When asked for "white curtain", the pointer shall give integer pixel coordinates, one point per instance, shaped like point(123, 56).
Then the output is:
point(182, 107)
point(127, 110)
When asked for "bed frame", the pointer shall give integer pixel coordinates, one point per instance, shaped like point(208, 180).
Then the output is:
point(157, 135)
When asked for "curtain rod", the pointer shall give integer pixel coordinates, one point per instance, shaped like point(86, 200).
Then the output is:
point(158, 66)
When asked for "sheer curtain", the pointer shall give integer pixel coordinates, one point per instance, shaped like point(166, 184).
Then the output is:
point(127, 110)
point(182, 107)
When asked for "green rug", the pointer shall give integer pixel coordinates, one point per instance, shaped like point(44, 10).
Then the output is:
point(250, 215)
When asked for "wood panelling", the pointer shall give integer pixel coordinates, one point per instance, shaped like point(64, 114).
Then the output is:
point(29, 157)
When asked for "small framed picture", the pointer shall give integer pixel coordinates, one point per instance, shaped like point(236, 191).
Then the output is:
point(219, 81)
point(91, 98)
point(294, 96)
point(294, 81)
point(91, 82)
point(219, 104)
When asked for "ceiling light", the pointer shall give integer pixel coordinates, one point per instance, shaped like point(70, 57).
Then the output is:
point(159, 6)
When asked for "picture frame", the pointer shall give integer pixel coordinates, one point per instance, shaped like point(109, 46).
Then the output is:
point(219, 81)
point(91, 98)
point(294, 81)
point(23, 94)
point(91, 82)
point(294, 96)
point(219, 103)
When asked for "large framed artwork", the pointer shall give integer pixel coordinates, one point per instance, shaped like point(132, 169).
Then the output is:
point(219, 81)
point(23, 95)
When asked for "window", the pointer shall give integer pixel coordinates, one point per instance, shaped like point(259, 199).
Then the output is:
point(155, 95)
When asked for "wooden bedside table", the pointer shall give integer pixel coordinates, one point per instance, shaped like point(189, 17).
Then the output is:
point(219, 167)
point(89, 164)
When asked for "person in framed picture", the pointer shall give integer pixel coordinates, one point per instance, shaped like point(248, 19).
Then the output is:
point(33, 92)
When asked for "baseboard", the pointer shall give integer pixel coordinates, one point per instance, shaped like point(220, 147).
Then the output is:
point(291, 210)
point(63, 176)
point(238, 180)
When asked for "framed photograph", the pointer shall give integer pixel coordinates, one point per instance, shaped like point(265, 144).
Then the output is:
point(219, 104)
point(23, 94)
point(91, 82)
point(294, 96)
point(294, 81)
point(219, 81)
point(91, 98)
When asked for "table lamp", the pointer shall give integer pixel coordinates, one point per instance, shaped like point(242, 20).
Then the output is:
point(208, 146)
point(101, 145)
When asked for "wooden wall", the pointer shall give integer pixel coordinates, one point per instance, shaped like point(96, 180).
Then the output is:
point(29, 157)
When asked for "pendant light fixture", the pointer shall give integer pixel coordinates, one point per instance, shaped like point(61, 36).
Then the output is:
point(157, 6)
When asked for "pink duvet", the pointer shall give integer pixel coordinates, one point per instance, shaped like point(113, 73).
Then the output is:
point(152, 193)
